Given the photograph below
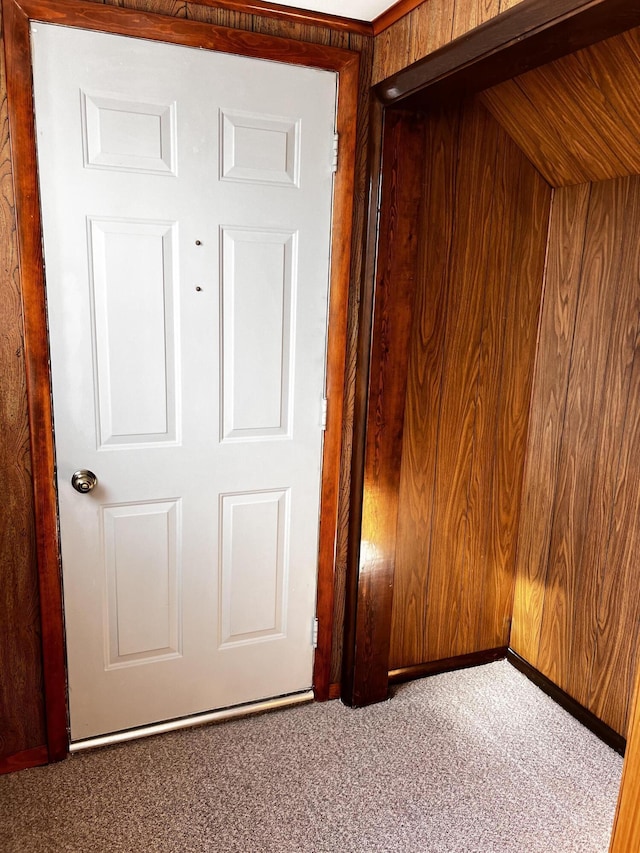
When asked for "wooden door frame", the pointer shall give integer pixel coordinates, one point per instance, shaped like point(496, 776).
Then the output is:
point(17, 16)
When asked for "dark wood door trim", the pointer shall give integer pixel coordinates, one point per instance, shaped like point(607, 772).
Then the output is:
point(382, 368)
point(17, 16)
point(526, 36)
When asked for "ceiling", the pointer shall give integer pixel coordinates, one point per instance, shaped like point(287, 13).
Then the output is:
point(362, 10)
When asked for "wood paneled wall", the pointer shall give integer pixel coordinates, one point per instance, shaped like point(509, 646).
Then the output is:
point(21, 701)
point(428, 27)
point(577, 602)
point(578, 118)
point(471, 362)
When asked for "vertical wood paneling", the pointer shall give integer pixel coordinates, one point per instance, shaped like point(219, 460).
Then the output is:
point(626, 826)
point(429, 26)
point(613, 405)
point(586, 390)
point(470, 371)
point(424, 390)
point(577, 602)
point(529, 222)
point(469, 15)
point(446, 629)
point(564, 265)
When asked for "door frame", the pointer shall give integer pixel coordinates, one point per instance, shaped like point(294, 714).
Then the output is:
point(17, 16)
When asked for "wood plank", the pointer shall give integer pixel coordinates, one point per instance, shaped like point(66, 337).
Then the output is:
point(424, 390)
point(394, 296)
point(618, 606)
point(219, 17)
point(469, 14)
point(529, 222)
point(589, 129)
point(479, 575)
point(585, 390)
point(431, 28)
point(447, 632)
point(392, 49)
point(571, 112)
point(611, 425)
point(542, 143)
point(560, 301)
point(626, 826)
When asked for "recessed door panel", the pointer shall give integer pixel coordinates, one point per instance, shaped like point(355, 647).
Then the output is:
point(254, 563)
point(129, 135)
point(132, 272)
point(258, 289)
point(142, 567)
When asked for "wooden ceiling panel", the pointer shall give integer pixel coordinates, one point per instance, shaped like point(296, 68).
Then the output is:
point(577, 119)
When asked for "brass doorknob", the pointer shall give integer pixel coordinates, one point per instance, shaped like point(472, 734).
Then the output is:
point(83, 481)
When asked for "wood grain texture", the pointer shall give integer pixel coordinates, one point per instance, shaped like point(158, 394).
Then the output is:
point(528, 35)
point(578, 118)
point(410, 35)
point(625, 837)
point(33, 757)
point(21, 658)
point(403, 147)
point(22, 722)
point(529, 222)
point(469, 377)
point(577, 603)
point(424, 390)
point(360, 224)
point(548, 402)
point(588, 388)
point(39, 427)
point(295, 15)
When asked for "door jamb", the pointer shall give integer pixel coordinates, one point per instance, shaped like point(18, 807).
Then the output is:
point(17, 15)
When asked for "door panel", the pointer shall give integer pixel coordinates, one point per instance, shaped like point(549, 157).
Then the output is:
point(186, 200)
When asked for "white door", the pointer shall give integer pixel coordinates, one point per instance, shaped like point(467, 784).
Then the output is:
point(186, 199)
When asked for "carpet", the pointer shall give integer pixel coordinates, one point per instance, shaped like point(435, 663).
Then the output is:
point(475, 761)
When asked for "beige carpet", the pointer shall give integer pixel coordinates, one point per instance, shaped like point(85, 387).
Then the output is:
point(478, 761)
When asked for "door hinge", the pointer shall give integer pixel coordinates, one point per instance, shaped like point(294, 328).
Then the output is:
point(334, 160)
point(314, 634)
point(324, 406)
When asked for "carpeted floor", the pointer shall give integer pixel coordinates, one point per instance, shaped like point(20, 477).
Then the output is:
point(477, 761)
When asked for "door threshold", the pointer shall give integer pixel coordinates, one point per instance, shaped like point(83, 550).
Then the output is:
point(221, 716)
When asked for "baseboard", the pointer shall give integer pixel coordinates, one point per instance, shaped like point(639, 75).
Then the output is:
point(21, 760)
point(582, 714)
point(408, 673)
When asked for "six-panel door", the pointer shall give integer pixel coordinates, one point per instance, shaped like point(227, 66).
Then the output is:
point(186, 201)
